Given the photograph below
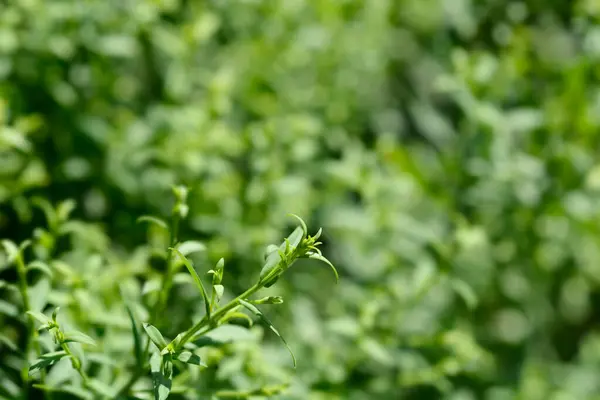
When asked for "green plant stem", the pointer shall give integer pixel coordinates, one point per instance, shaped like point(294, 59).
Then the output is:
point(210, 323)
point(32, 332)
point(76, 363)
point(167, 283)
point(190, 333)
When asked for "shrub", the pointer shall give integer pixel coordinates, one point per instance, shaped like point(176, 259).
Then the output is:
point(124, 358)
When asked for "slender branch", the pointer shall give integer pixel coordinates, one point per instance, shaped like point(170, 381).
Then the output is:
point(32, 332)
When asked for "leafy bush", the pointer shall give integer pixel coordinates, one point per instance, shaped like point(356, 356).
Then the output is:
point(447, 148)
point(89, 292)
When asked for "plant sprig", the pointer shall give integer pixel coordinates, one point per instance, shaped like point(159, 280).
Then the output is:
point(299, 244)
point(159, 356)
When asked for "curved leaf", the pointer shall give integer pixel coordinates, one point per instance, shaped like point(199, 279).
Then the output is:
point(79, 337)
point(155, 336)
point(191, 246)
point(194, 275)
point(40, 266)
point(153, 220)
point(316, 256)
point(258, 313)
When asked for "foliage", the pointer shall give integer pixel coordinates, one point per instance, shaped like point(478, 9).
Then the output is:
point(124, 373)
point(447, 148)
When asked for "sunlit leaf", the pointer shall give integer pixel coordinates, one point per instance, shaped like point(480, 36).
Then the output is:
point(137, 340)
point(315, 256)
point(46, 360)
point(189, 358)
point(79, 337)
point(42, 318)
point(191, 246)
point(199, 284)
point(40, 266)
point(155, 335)
point(258, 313)
point(153, 220)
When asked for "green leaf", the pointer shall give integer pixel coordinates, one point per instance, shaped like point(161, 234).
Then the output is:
point(217, 273)
point(8, 386)
point(137, 339)
point(40, 317)
point(64, 209)
point(40, 266)
point(47, 209)
point(268, 300)
point(258, 313)
point(153, 220)
point(236, 314)
point(79, 337)
point(38, 294)
point(183, 277)
point(316, 256)
point(224, 334)
point(8, 286)
point(466, 292)
point(270, 249)
point(11, 250)
point(151, 286)
point(189, 358)
point(46, 360)
point(191, 246)
point(199, 284)
point(155, 335)
point(9, 309)
point(302, 223)
point(8, 343)
point(219, 289)
point(161, 377)
point(267, 274)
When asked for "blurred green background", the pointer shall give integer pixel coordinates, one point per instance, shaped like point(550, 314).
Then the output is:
point(449, 149)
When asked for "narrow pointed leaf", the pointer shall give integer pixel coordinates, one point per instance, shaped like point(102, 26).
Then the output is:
point(155, 335)
point(8, 286)
point(11, 250)
point(189, 358)
point(268, 300)
point(40, 266)
point(319, 257)
point(194, 275)
point(9, 309)
point(8, 343)
point(182, 277)
point(65, 208)
point(191, 246)
point(79, 337)
point(153, 220)
point(46, 360)
point(47, 209)
point(42, 318)
point(240, 315)
point(258, 313)
point(219, 289)
point(465, 292)
point(302, 223)
point(275, 257)
point(137, 339)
